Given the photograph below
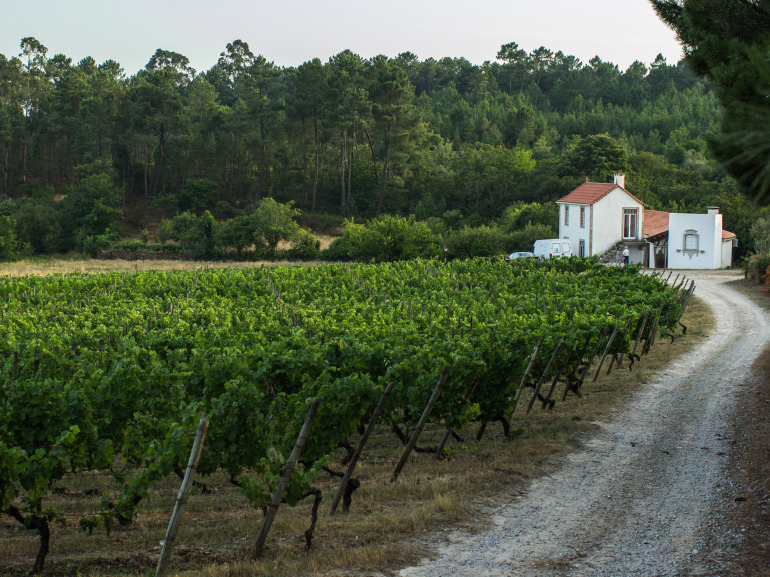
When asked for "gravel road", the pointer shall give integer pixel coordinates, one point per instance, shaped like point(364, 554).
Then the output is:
point(647, 492)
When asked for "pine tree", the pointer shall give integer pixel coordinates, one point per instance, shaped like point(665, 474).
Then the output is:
point(728, 42)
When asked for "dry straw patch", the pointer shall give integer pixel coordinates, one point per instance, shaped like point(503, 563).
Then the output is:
point(66, 266)
point(324, 241)
point(388, 526)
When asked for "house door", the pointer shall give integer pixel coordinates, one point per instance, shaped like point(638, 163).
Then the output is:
point(661, 253)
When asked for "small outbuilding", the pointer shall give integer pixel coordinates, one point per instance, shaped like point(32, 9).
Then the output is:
point(693, 241)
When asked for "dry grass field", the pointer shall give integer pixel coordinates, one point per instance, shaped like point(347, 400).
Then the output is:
point(40, 266)
point(67, 266)
point(389, 524)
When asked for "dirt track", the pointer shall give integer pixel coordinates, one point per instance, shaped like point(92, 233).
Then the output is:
point(646, 495)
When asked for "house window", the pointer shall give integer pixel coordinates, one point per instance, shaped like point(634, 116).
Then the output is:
point(566, 215)
point(582, 217)
point(582, 248)
point(691, 241)
point(630, 216)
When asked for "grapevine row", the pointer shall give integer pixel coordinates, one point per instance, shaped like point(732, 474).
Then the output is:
point(111, 372)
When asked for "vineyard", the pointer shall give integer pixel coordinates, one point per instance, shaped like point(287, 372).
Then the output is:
point(113, 372)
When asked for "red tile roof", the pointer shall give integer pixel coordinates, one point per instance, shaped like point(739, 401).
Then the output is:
point(655, 222)
point(591, 192)
point(727, 234)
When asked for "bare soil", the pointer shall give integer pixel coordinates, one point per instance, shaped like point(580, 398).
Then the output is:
point(674, 483)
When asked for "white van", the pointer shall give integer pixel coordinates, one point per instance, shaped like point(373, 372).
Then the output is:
point(552, 248)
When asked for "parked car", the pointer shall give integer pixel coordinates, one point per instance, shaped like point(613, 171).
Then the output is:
point(515, 255)
point(552, 248)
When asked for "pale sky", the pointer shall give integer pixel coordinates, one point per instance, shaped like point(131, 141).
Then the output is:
point(290, 32)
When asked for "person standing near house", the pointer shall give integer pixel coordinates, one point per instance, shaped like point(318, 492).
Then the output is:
point(626, 254)
point(617, 257)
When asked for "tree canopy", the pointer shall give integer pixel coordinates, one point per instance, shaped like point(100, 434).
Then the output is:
point(729, 43)
point(353, 137)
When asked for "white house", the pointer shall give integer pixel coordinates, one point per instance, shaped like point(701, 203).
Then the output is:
point(596, 215)
point(696, 241)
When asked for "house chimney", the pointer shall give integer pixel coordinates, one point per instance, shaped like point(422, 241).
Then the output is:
point(620, 179)
point(712, 210)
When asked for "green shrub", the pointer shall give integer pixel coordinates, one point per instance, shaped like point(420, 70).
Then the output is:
point(760, 233)
point(165, 231)
point(93, 244)
point(38, 226)
point(388, 238)
point(274, 222)
point(179, 226)
point(92, 206)
point(200, 241)
point(236, 233)
point(470, 242)
point(453, 218)
point(306, 247)
point(756, 267)
point(138, 246)
point(263, 227)
point(197, 235)
point(522, 240)
point(521, 215)
point(338, 250)
point(8, 242)
point(438, 227)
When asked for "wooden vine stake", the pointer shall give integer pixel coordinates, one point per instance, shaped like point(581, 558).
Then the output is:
point(360, 448)
point(687, 296)
point(573, 375)
point(590, 360)
point(272, 508)
point(526, 376)
point(420, 425)
point(448, 431)
point(544, 376)
point(654, 334)
point(618, 357)
point(641, 330)
point(558, 374)
point(181, 499)
point(651, 338)
point(606, 350)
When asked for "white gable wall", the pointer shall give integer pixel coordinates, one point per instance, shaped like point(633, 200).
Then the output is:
point(608, 219)
point(603, 222)
point(708, 227)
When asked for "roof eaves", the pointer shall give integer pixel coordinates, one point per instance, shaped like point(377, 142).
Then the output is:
point(612, 186)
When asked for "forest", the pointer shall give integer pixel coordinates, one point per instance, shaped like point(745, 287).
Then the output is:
point(89, 155)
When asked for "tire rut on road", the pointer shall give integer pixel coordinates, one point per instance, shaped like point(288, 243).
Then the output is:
point(638, 498)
